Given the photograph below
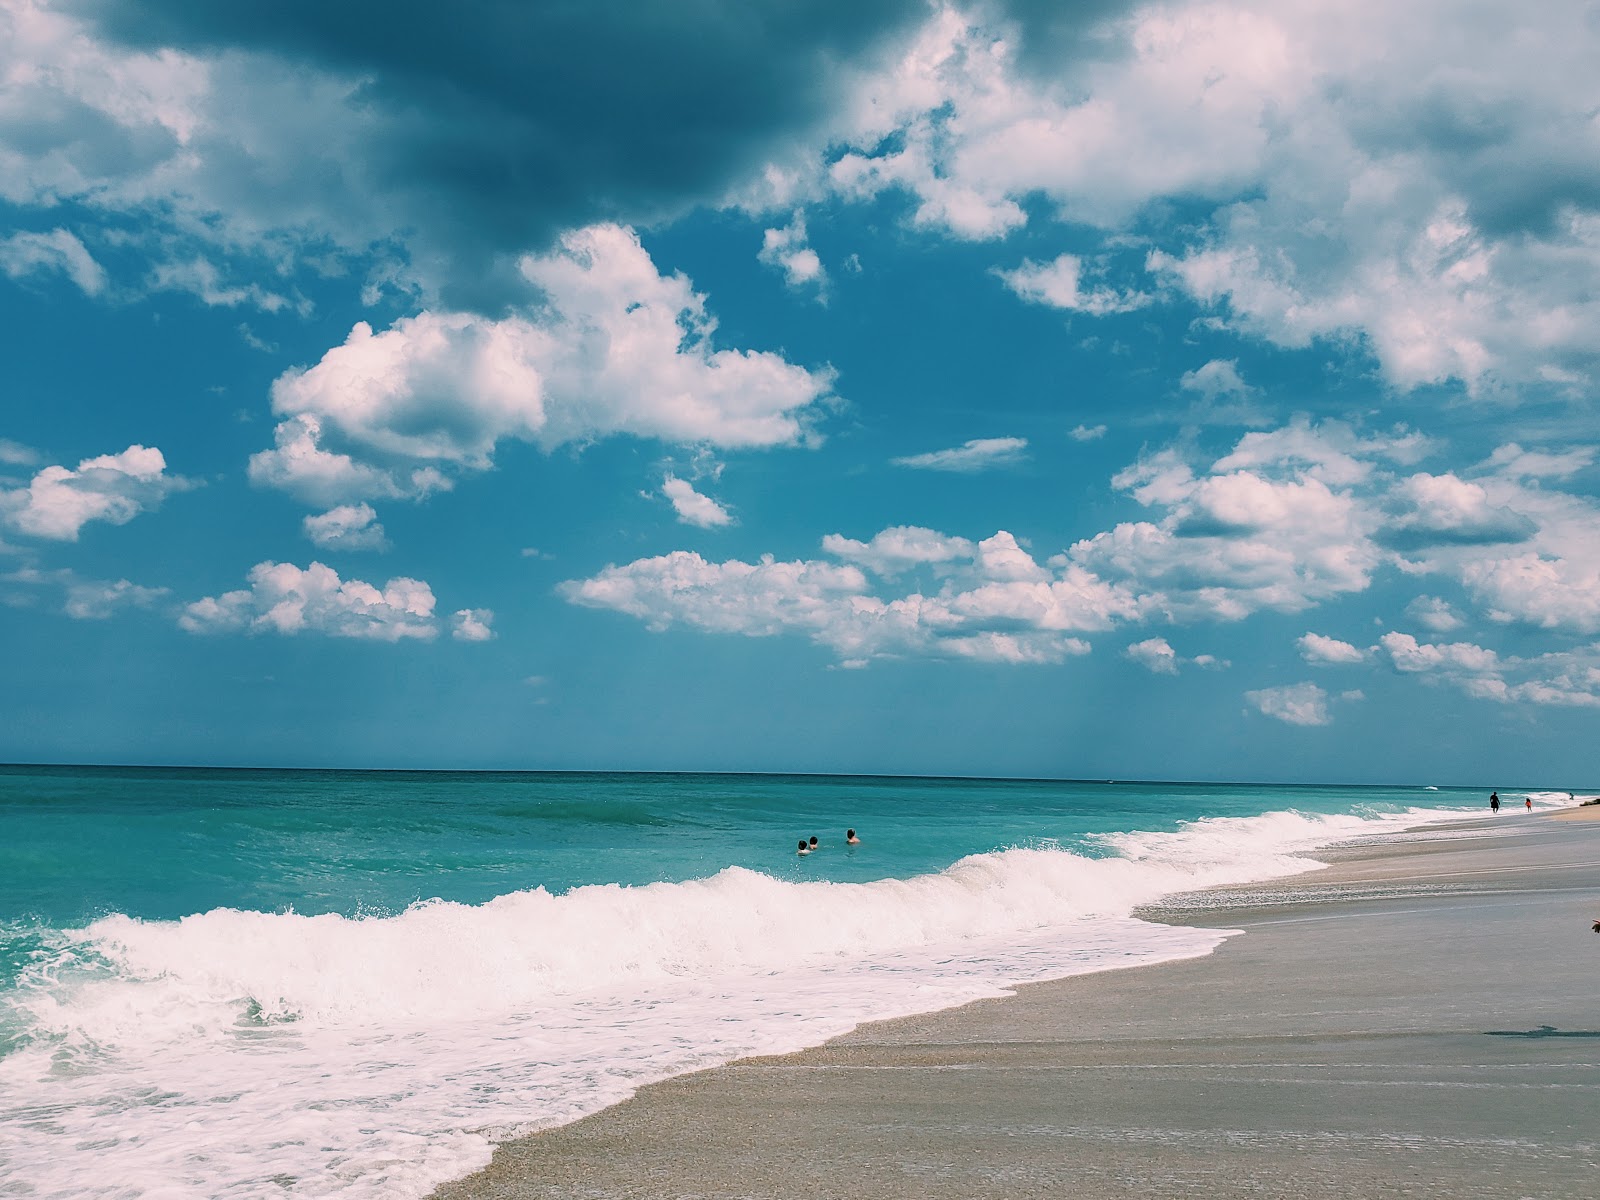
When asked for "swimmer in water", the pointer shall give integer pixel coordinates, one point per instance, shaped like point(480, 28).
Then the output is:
point(804, 849)
point(813, 843)
point(850, 838)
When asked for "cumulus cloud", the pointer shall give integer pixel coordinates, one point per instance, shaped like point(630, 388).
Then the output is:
point(1512, 461)
point(58, 251)
point(1434, 614)
point(115, 488)
point(995, 602)
point(1217, 378)
point(1339, 179)
point(347, 527)
point(1086, 433)
point(1232, 544)
point(1293, 704)
point(1294, 516)
point(95, 600)
point(616, 348)
point(1283, 520)
point(84, 599)
point(472, 625)
point(284, 599)
point(1222, 397)
point(1436, 510)
point(979, 454)
point(1158, 657)
point(1059, 284)
point(1544, 573)
point(304, 135)
point(692, 507)
point(897, 549)
point(1568, 678)
point(1326, 651)
point(787, 250)
point(1155, 655)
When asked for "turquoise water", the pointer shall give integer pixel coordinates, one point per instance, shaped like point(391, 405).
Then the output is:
point(213, 981)
point(161, 843)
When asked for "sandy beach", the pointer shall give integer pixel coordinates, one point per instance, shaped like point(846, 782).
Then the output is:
point(1422, 1018)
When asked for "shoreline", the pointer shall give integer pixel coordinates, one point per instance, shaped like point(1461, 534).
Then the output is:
point(1419, 1017)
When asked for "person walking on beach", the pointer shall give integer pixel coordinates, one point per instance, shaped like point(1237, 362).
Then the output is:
point(1494, 801)
point(1527, 803)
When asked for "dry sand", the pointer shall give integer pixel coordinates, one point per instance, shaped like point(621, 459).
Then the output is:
point(1420, 1019)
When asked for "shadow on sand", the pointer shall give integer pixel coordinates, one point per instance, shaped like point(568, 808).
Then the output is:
point(1543, 1031)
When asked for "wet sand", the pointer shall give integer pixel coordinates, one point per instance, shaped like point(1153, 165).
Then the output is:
point(1420, 1019)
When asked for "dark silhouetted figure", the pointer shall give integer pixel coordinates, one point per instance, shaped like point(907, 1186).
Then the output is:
point(1494, 801)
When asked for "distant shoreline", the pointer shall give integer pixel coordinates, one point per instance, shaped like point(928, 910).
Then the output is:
point(821, 775)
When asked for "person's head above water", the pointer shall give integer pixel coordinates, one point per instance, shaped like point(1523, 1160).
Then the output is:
point(850, 836)
point(804, 849)
point(813, 843)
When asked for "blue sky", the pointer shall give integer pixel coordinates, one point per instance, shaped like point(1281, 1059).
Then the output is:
point(1183, 390)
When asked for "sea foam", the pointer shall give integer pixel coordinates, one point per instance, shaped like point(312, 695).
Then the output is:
point(237, 1054)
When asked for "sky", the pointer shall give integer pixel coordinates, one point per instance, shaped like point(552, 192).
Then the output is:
point(1172, 391)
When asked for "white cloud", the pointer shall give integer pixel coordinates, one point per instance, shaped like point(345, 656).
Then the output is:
point(85, 599)
point(285, 599)
point(1513, 462)
point(1550, 593)
point(1086, 433)
point(787, 250)
point(692, 507)
point(1059, 284)
point(114, 488)
point(1330, 451)
point(1568, 678)
point(898, 549)
point(472, 625)
point(202, 278)
point(1218, 378)
point(979, 454)
point(1435, 510)
point(1409, 656)
point(1326, 651)
point(26, 253)
point(1294, 704)
point(347, 527)
point(94, 600)
point(1155, 655)
point(617, 348)
point(1550, 579)
point(1339, 179)
point(1434, 614)
point(1222, 397)
point(15, 454)
point(996, 603)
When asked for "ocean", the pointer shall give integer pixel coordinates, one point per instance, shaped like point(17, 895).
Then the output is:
point(268, 983)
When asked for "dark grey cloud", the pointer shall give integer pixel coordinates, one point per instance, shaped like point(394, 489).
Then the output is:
point(483, 128)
